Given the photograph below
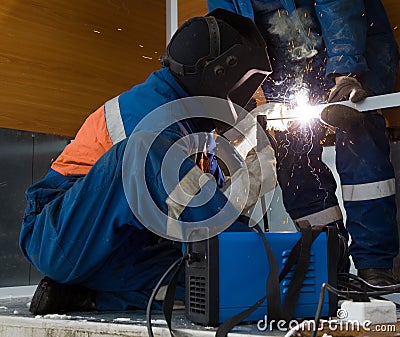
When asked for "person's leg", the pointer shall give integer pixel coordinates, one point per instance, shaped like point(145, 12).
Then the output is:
point(71, 226)
point(128, 277)
point(364, 162)
point(82, 231)
point(368, 188)
point(307, 184)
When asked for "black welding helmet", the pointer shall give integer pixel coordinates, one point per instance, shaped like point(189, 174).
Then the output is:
point(210, 55)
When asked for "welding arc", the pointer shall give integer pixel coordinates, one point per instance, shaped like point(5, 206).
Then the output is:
point(342, 116)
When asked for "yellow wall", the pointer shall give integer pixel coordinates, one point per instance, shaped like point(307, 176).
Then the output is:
point(60, 60)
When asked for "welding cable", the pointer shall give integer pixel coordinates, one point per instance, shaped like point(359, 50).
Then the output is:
point(382, 298)
point(393, 288)
point(176, 265)
point(363, 285)
point(385, 290)
point(346, 283)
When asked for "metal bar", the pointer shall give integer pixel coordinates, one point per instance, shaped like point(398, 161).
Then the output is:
point(373, 102)
point(368, 104)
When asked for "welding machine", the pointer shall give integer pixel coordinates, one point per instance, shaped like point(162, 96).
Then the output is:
point(227, 274)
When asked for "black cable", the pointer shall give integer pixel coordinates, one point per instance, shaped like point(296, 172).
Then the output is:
point(385, 290)
point(353, 286)
point(154, 293)
point(394, 288)
point(361, 285)
point(319, 309)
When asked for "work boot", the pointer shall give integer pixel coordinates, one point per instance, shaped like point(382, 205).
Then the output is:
point(52, 297)
point(378, 277)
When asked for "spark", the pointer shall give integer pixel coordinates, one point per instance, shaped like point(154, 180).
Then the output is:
point(303, 110)
point(312, 170)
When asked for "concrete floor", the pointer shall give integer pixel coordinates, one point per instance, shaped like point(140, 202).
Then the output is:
point(17, 321)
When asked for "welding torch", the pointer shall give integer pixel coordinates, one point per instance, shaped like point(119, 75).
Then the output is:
point(349, 113)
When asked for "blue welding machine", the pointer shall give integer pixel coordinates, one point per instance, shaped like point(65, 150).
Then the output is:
point(230, 273)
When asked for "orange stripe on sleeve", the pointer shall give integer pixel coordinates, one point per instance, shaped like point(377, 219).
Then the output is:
point(90, 143)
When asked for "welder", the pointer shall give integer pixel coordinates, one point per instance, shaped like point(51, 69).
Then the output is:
point(78, 228)
point(334, 50)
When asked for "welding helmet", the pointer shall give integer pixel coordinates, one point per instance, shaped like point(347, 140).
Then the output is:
point(209, 55)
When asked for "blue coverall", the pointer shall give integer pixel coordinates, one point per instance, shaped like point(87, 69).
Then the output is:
point(79, 229)
point(358, 41)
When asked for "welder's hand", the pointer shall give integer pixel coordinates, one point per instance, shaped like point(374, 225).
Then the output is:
point(254, 179)
point(347, 88)
point(261, 168)
point(342, 116)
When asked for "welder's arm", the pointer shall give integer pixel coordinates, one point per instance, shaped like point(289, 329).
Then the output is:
point(347, 88)
point(241, 7)
point(254, 179)
point(344, 30)
point(166, 190)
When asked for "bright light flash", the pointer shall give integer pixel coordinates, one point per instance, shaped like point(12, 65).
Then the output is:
point(280, 114)
point(303, 110)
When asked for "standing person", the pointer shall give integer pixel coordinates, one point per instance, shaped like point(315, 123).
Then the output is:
point(334, 50)
point(78, 228)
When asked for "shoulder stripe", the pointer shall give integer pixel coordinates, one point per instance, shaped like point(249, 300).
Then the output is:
point(115, 125)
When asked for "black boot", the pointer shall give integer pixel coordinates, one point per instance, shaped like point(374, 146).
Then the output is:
point(378, 277)
point(52, 297)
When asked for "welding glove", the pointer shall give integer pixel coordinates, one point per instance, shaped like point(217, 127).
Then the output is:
point(342, 116)
point(339, 115)
point(253, 180)
point(348, 88)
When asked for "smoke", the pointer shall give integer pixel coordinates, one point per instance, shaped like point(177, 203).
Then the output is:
point(298, 31)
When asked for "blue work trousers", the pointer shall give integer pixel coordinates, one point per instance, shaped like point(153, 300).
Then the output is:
point(80, 230)
point(362, 152)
